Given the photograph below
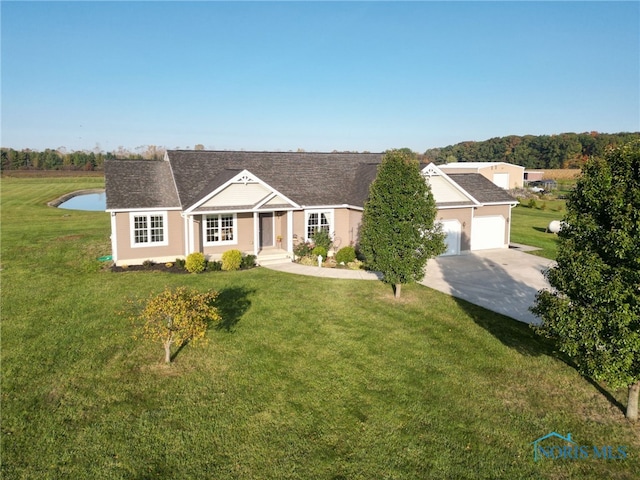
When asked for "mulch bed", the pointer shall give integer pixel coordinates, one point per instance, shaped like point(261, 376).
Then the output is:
point(158, 267)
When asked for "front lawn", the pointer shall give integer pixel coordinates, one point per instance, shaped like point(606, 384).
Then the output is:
point(310, 378)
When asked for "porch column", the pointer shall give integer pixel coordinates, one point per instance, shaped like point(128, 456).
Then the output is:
point(290, 231)
point(190, 235)
point(114, 238)
point(256, 233)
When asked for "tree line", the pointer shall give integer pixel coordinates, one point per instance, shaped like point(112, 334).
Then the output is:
point(566, 150)
point(61, 159)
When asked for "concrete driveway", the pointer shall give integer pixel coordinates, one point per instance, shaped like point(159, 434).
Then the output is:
point(502, 280)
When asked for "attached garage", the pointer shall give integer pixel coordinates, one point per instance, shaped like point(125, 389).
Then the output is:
point(488, 232)
point(453, 231)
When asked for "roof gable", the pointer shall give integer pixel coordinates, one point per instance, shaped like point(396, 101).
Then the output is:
point(446, 191)
point(241, 189)
point(306, 179)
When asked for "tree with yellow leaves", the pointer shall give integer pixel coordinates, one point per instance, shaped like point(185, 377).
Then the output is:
point(177, 316)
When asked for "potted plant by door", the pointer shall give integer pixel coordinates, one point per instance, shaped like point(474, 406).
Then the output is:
point(279, 241)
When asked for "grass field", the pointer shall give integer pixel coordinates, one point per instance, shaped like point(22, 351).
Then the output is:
point(530, 219)
point(313, 379)
point(529, 225)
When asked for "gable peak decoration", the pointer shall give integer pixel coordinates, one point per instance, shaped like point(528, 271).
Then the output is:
point(431, 170)
point(245, 177)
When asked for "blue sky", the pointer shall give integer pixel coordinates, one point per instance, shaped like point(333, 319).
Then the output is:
point(361, 76)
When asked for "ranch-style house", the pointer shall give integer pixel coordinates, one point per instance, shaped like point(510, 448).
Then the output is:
point(264, 203)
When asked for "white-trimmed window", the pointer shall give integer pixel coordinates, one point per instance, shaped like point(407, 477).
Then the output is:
point(148, 229)
point(220, 229)
point(318, 220)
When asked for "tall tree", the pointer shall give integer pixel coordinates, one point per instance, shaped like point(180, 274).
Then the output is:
point(399, 233)
point(593, 311)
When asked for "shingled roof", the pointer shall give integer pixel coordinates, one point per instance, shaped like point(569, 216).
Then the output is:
point(306, 178)
point(481, 188)
point(139, 184)
point(309, 179)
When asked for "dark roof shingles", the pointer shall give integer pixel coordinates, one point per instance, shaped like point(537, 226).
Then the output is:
point(136, 184)
point(305, 178)
point(481, 188)
point(309, 179)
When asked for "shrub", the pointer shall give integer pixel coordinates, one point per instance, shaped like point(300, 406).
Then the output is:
point(319, 251)
point(168, 264)
point(532, 203)
point(308, 261)
point(147, 264)
point(346, 255)
point(248, 261)
point(322, 239)
point(180, 263)
point(195, 262)
point(231, 260)
point(214, 266)
point(302, 249)
point(355, 265)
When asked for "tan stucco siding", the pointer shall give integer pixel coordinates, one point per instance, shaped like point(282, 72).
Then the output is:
point(355, 220)
point(298, 227)
point(344, 232)
point(281, 228)
point(130, 255)
point(463, 215)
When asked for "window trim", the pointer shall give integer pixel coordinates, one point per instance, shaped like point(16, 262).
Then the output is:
point(330, 212)
point(149, 243)
point(234, 229)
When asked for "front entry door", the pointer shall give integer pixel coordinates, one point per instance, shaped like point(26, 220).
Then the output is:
point(266, 229)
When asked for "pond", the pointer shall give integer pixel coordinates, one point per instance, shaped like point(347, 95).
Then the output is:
point(87, 201)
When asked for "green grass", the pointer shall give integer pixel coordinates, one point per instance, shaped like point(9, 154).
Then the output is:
point(530, 220)
point(314, 378)
point(529, 224)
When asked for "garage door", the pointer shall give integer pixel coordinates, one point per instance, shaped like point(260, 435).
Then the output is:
point(501, 180)
point(487, 232)
point(452, 230)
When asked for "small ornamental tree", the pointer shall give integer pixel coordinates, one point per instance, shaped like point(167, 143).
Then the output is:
point(399, 233)
point(593, 311)
point(177, 316)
